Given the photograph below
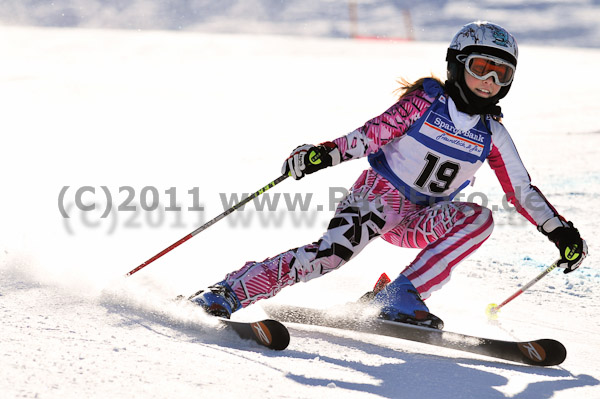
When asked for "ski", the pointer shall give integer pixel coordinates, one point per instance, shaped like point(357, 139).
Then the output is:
point(541, 352)
point(269, 333)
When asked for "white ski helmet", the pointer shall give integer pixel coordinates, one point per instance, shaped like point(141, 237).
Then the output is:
point(486, 38)
point(483, 38)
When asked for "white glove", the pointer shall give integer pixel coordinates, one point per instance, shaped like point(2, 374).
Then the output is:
point(308, 158)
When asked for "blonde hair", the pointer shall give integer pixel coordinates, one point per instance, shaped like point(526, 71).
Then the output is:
point(406, 87)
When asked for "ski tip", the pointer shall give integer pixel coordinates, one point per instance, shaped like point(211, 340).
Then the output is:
point(543, 352)
point(279, 334)
point(268, 333)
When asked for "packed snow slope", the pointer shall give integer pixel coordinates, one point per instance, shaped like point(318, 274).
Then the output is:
point(165, 127)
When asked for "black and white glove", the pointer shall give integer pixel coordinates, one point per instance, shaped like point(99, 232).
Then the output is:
point(565, 236)
point(307, 159)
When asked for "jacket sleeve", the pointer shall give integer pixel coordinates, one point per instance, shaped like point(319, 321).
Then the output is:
point(514, 179)
point(384, 128)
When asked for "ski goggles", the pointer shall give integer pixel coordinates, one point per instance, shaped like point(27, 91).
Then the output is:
point(483, 66)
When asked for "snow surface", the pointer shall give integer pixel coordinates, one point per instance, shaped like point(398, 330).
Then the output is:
point(216, 115)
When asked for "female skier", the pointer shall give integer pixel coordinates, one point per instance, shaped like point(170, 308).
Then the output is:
point(423, 151)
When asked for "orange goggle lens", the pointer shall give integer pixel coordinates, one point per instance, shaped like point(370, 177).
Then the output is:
point(483, 68)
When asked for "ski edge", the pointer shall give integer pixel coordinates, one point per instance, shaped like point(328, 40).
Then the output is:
point(541, 352)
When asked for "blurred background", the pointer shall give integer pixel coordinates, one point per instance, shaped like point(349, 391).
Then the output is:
point(571, 23)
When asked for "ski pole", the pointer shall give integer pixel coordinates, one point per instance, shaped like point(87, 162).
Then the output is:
point(493, 309)
point(209, 223)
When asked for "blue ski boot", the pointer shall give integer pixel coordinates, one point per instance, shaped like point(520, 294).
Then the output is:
point(219, 300)
point(400, 301)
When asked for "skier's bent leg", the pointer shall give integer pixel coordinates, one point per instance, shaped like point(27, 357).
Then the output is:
point(448, 232)
point(350, 230)
point(434, 264)
point(372, 208)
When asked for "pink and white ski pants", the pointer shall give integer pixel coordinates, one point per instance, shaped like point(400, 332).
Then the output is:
point(447, 232)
